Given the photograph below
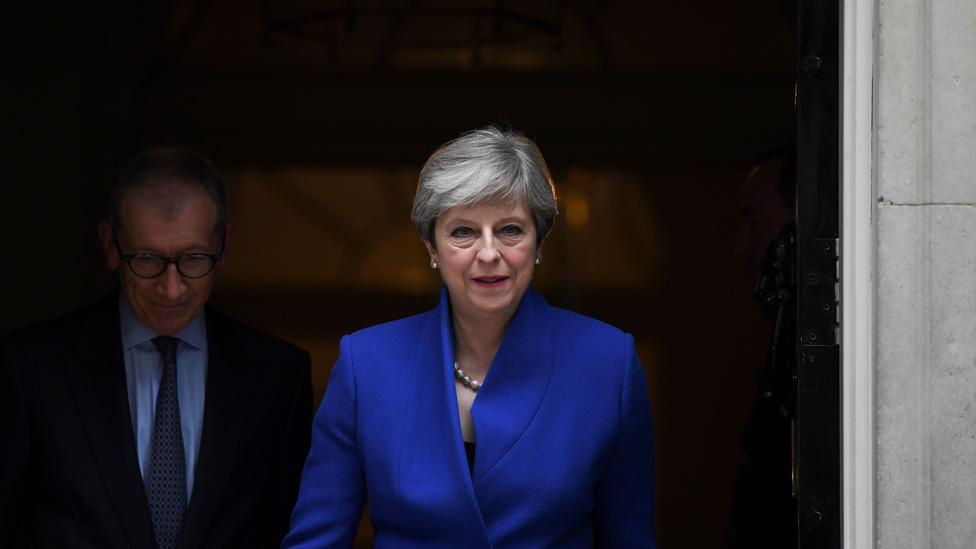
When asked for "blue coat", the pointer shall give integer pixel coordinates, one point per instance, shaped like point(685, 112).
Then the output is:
point(564, 453)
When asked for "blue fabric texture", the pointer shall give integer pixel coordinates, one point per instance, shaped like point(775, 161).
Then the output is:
point(563, 431)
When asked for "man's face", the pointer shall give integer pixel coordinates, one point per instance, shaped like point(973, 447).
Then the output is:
point(763, 213)
point(167, 303)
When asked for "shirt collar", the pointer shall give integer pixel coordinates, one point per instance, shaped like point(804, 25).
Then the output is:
point(135, 333)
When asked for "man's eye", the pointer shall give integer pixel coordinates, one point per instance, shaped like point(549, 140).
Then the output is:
point(195, 258)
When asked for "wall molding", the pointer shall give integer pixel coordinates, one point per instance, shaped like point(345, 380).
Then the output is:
point(858, 252)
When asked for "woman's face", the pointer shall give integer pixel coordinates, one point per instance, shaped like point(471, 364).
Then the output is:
point(486, 254)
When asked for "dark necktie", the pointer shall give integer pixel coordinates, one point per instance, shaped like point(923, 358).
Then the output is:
point(166, 482)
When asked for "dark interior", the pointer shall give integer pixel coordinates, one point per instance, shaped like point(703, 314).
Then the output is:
point(320, 115)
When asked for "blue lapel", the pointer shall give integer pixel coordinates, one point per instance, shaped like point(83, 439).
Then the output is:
point(433, 466)
point(516, 384)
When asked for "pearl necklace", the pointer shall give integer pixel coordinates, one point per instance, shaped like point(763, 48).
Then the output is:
point(465, 379)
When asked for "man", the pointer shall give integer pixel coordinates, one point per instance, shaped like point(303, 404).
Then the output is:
point(766, 205)
point(149, 419)
point(763, 505)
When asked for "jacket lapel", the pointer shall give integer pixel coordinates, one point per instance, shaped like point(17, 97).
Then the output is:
point(516, 383)
point(226, 378)
point(96, 374)
point(433, 466)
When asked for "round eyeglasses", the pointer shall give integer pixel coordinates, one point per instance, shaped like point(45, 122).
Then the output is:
point(146, 265)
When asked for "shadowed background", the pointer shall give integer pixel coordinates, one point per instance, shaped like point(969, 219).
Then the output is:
point(320, 115)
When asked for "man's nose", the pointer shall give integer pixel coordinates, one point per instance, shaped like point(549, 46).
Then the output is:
point(171, 282)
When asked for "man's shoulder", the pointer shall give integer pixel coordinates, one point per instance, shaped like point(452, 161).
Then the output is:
point(254, 342)
point(51, 333)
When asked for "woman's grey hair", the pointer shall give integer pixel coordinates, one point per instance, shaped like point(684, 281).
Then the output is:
point(490, 164)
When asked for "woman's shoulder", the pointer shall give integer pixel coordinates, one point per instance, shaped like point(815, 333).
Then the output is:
point(571, 325)
point(391, 337)
point(584, 335)
point(409, 326)
point(591, 349)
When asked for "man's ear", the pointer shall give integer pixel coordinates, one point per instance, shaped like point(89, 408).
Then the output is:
point(105, 237)
point(228, 236)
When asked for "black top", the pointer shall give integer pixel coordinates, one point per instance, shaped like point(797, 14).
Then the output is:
point(63, 393)
point(469, 450)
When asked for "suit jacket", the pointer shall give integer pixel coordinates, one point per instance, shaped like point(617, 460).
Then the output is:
point(564, 453)
point(69, 475)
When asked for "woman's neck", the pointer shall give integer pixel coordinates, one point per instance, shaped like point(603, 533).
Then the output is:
point(477, 341)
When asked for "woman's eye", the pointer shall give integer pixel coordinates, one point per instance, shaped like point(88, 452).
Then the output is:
point(511, 230)
point(462, 232)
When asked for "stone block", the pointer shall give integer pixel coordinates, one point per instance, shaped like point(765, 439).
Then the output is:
point(926, 377)
point(926, 107)
point(953, 101)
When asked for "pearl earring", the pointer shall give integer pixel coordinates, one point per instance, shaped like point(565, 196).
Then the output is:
point(538, 261)
point(433, 263)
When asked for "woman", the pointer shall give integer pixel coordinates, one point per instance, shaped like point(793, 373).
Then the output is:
point(494, 420)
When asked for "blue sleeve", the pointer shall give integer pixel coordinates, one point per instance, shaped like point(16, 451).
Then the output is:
point(624, 513)
point(333, 488)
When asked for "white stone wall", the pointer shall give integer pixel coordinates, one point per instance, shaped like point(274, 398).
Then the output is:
point(925, 173)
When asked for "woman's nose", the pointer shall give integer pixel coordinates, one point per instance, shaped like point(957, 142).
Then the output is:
point(488, 252)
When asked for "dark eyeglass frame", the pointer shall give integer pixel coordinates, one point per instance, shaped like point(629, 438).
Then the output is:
point(175, 260)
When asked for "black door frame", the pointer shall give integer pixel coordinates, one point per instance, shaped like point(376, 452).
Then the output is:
point(818, 431)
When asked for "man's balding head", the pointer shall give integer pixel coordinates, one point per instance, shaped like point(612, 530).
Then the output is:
point(164, 177)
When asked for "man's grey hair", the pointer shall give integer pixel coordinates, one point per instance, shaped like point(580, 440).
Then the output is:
point(490, 164)
point(162, 175)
